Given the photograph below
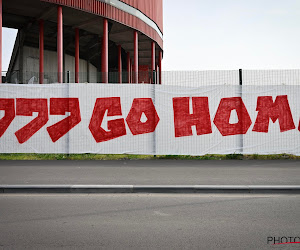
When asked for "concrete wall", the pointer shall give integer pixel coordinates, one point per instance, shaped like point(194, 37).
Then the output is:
point(31, 67)
point(14, 77)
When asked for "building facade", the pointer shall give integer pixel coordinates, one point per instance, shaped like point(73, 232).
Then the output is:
point(96, 41)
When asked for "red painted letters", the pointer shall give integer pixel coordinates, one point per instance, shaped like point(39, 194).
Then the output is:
point(26, 107)
point(116, 127)
point(59, 106)
point(8, 105)
point(140, 106)
point(184, 118)
point(280, 110)
point(184, 121)
point(223, 116)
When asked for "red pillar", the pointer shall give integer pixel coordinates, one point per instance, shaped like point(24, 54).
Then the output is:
point(156, 75)
point(153, 62)
point(60, 44)
point(104, 63)
point(120, 63)
point(41, 51)
point(131, 72)
point(159, 65)
point(1, 40)
point(136, 57)
point(76, 55)
point(128, 66)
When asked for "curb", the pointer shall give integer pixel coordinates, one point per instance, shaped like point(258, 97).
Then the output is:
point(187, 189)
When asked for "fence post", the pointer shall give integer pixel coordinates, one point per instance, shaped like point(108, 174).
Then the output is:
point(154, 133)
point(241, 77)
point(153, 77)
point(68, 76)
point(241, 94)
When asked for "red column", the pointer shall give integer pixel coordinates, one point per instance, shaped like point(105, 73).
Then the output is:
point(156, 75)
point(1, 40)
point(60, 44)
point(136, 57)
point(159, 65)
point(77, 55)
point(153, 61)
point(104, 63)
point(120, 63)
point(131, 72)
point(41, 51)
point(128, 66)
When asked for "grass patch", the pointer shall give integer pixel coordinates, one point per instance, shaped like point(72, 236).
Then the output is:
point(145, 157)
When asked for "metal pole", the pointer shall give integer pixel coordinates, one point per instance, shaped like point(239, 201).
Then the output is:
point(22, 75)
point(128, 67)
point(241, 93)
point(76, 55)
point(41, 51)
point(153, 62)
point(131, 73)
point(159, 65)
point(136, 57)
point(156, 75)
point(104, 63)
point(120, 63)
point(60, 44)
point(68, 76)
point(88, 68)
point(241, 76)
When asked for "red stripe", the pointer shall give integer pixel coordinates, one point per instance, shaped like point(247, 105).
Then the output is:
point(287, 243)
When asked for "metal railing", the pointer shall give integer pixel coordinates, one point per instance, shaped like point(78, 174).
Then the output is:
point(177, 78)
point(16, 77)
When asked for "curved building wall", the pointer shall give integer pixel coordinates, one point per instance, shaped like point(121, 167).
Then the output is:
point(121, 39)
point(142, 15)
point(152, 8)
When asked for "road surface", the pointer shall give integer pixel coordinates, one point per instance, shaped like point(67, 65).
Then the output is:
point(147, 221)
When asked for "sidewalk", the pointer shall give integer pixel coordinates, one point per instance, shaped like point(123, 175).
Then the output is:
point(166, 176)
point(157, 172)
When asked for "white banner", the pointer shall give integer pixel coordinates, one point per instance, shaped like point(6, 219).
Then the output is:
point(149, 119)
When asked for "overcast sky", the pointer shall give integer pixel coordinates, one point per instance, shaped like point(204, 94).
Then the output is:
point(223, 34)
point(8, 37)
point(231, 34)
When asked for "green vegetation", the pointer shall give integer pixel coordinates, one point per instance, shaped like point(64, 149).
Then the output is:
point(144, 157)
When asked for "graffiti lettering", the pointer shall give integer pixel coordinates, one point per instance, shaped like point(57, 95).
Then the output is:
point(278, 110)
point(26, 107)
point(183, 120)
point(116, 127)
point(8, 105)
point(59, 106)
point(227, 105)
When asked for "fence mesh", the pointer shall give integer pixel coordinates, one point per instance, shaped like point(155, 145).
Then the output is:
point(176, 78)
point(194, 113)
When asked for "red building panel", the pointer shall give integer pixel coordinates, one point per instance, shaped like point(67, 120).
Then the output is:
point(151, 8)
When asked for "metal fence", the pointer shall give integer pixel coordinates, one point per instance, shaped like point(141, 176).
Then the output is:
point(16, 77)
point(149, 119)
point(176, 78)
point(231, 77)
point(192, 112)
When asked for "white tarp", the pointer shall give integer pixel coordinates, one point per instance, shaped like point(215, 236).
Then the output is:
point(120, 119)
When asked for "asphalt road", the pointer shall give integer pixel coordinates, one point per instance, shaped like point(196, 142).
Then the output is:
point(147, 221)
point(156, 172)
